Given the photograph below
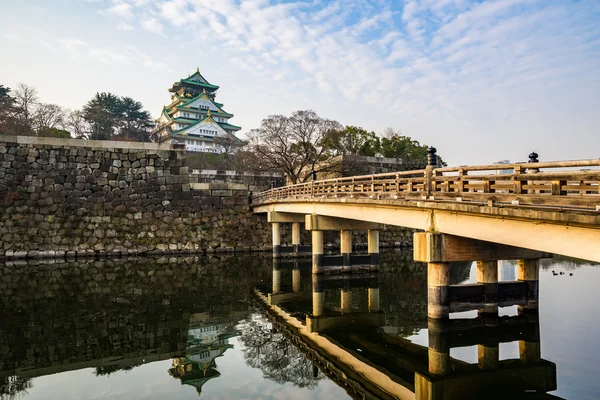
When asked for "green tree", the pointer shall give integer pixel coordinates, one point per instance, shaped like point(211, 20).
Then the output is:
point(396, 145)
point(113, 117)
point(54, 132)
point(352, 140)
point(136, 122)
point(102, 114)
point(7, 104)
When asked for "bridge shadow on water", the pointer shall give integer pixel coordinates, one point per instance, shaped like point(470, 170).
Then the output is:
point(369, 333)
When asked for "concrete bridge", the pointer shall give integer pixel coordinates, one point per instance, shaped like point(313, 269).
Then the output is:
point(545, 206)
point(523, 212)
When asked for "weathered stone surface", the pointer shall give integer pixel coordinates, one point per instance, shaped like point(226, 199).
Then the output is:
point(78, 199)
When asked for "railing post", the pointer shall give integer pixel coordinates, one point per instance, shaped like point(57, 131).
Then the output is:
point(429, 178)
point(519, 184)
point(533, 158)
point(428, 183)
point(557, 188)
point(460, 183)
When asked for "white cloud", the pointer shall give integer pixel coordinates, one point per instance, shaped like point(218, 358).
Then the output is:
point(121, 10)
point(14, 37)
point(123, 26)
point(109, 56)
point(152, 24)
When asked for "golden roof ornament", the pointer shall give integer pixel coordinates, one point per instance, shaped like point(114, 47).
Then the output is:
point(208, 113)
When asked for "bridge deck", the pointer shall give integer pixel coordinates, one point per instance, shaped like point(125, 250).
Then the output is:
point(530, 207)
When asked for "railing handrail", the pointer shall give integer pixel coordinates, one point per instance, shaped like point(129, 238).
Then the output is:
point(523, 165)
point(527, 184)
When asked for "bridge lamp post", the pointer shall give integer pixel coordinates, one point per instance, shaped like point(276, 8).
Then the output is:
point(432, 160)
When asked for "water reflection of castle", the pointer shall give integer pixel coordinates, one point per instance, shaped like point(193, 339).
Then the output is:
point(208, 339)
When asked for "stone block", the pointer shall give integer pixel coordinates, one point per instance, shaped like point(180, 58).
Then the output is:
point(221, 193)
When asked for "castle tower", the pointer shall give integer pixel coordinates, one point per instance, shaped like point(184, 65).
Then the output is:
point(194, 117)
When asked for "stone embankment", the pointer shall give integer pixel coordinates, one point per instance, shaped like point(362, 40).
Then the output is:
point(67, 197)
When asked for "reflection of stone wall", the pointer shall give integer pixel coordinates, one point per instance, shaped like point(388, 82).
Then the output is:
point(117, 197)
point(73, 315)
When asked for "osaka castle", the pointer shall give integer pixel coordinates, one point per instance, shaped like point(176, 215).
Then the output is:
point(195, 118)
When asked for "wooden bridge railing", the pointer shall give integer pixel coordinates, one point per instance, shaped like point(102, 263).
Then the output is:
point(550, 184)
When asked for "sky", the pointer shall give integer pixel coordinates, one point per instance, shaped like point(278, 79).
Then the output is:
point(482, 81)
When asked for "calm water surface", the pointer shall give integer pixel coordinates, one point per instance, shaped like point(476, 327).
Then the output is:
point(175, 328)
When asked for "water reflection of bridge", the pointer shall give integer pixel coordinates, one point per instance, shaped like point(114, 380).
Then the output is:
point(339, 324)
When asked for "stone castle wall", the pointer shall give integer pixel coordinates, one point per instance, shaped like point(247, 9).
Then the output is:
point(102, 197)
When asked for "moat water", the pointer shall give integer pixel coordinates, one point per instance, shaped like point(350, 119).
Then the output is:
point(145, 328)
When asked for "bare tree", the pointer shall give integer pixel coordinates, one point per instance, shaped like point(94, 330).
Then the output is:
point(50, 116)
point(270, 351)
point(291, 144)
point(26, 99)
point(229, 144)
point(76, 123)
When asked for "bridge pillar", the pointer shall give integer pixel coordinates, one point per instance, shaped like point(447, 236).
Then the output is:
point(346, 300)
point(296, 237)
point(276, 276)
point(373, 296)
point(373, 246)
point(438, 281)
point(276, 239)
point(487, 274)
point(528, 271)
point(530, 351)
point(438, 348)
point(318, 297)
point(488, 357)
point(346, 249)
point(296, 278)
point(317, 252)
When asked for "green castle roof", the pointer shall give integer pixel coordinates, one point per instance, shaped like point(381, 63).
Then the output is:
point(223, 125)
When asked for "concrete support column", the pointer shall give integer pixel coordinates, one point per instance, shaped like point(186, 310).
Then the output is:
point(438, 280)
point(439, 347)
point(373, 296)
point(528, 271)
point(530, 351)
point(296, 237)
point(488, 357)
point(346, 249)
point(318, 297)
point(317, 252)
point(296, 279)
point(346, 301)
point(487, 274)
point(276, 276)
point(276, 239)
point(373, 246)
